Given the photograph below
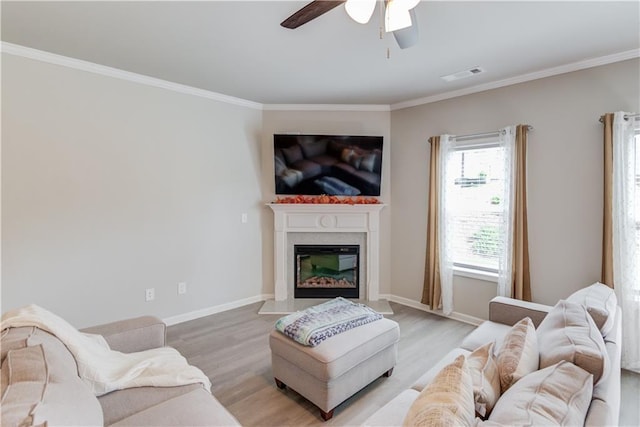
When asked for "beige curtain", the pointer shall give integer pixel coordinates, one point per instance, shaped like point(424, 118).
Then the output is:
point(521, 282)
point(521, 285)
point(607, 224)
point(431, 292)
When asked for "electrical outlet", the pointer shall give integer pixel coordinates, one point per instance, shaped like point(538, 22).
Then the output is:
point(149, 294)
point(182, 288)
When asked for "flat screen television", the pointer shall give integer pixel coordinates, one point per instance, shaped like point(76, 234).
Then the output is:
point(338, 165)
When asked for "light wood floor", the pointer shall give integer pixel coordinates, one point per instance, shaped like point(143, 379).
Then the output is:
point(232, 349)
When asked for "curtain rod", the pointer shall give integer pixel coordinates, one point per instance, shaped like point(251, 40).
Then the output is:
point(626, 117)
point(485, 134)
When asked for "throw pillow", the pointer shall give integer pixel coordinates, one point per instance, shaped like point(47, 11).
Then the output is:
point(377, 165)
point(355, 160)
point(485, 377)
point(368, 162)
point(347, 154)
point(447, 400)
point(291, 177)
point(279, 166)
point(518, 355)
point(556, 395)
point(569, 333)
point(292, 154)
point(601, 303)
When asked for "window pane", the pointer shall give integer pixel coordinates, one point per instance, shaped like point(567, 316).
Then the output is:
point(476, 188)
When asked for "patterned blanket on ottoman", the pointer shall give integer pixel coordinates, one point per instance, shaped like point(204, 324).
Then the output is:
point(315, 324)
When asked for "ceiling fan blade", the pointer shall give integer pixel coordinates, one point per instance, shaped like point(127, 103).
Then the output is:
point(360, 11)
point(309, 12)
point(408, 37)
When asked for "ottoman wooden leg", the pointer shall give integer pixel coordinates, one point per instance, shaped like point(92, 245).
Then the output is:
point(326, 416)
point(388, 373)
point(280, 384)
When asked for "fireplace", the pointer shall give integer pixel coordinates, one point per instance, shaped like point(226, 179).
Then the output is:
point(316, 220)
point(326, 271)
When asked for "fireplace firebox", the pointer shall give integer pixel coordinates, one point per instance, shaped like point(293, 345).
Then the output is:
point(327, 271)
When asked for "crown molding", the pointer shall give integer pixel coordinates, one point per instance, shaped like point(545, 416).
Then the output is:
point(78, 64)
point(327, 107)
point(549, 72)
point(90, 67)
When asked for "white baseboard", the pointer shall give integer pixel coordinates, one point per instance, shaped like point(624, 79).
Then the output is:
point(461, 317)
point(185, 317)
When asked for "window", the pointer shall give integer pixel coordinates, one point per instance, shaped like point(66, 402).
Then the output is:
point(476, 189)
point(479, 231)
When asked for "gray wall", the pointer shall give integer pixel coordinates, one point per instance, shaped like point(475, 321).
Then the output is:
point(110, 187)
point(564, 176)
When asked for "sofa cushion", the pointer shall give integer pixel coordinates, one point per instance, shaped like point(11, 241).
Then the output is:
point(196, 408)
point(518, 355)
point(602, 413)
point(483, 367)
point(569, 333)
point(601, 302)
point(37, 392)
point(120, 404)
point(556, 395)
point(308, 168)
point(325, 161)
point(447, 400)
point(394, 411)
point(487, 332)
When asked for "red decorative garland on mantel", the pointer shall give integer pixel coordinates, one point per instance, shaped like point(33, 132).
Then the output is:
point(326, 199)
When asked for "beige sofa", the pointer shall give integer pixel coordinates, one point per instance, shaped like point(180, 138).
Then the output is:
point(603, 408)
point(41, 386)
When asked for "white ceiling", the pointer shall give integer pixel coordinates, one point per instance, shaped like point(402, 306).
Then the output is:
point(238, 48)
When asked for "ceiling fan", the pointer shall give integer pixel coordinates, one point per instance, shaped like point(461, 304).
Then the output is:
point(399, 16)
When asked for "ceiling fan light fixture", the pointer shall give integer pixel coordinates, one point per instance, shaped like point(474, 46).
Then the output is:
point(360, 11)
point(408, 4)
point(396, 16)
point(409, 36)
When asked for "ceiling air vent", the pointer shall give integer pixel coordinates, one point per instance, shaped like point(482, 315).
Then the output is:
point(462, 74)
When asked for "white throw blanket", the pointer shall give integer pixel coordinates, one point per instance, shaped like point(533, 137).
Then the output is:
point(106, 370)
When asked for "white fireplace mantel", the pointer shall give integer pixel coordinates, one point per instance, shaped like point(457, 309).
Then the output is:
point(327, 218)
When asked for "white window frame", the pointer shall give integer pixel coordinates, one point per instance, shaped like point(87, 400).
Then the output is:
point(469, 270)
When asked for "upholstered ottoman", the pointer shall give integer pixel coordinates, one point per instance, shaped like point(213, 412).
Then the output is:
point(338, 367)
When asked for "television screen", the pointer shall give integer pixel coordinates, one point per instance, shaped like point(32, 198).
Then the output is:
point(339, 165)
